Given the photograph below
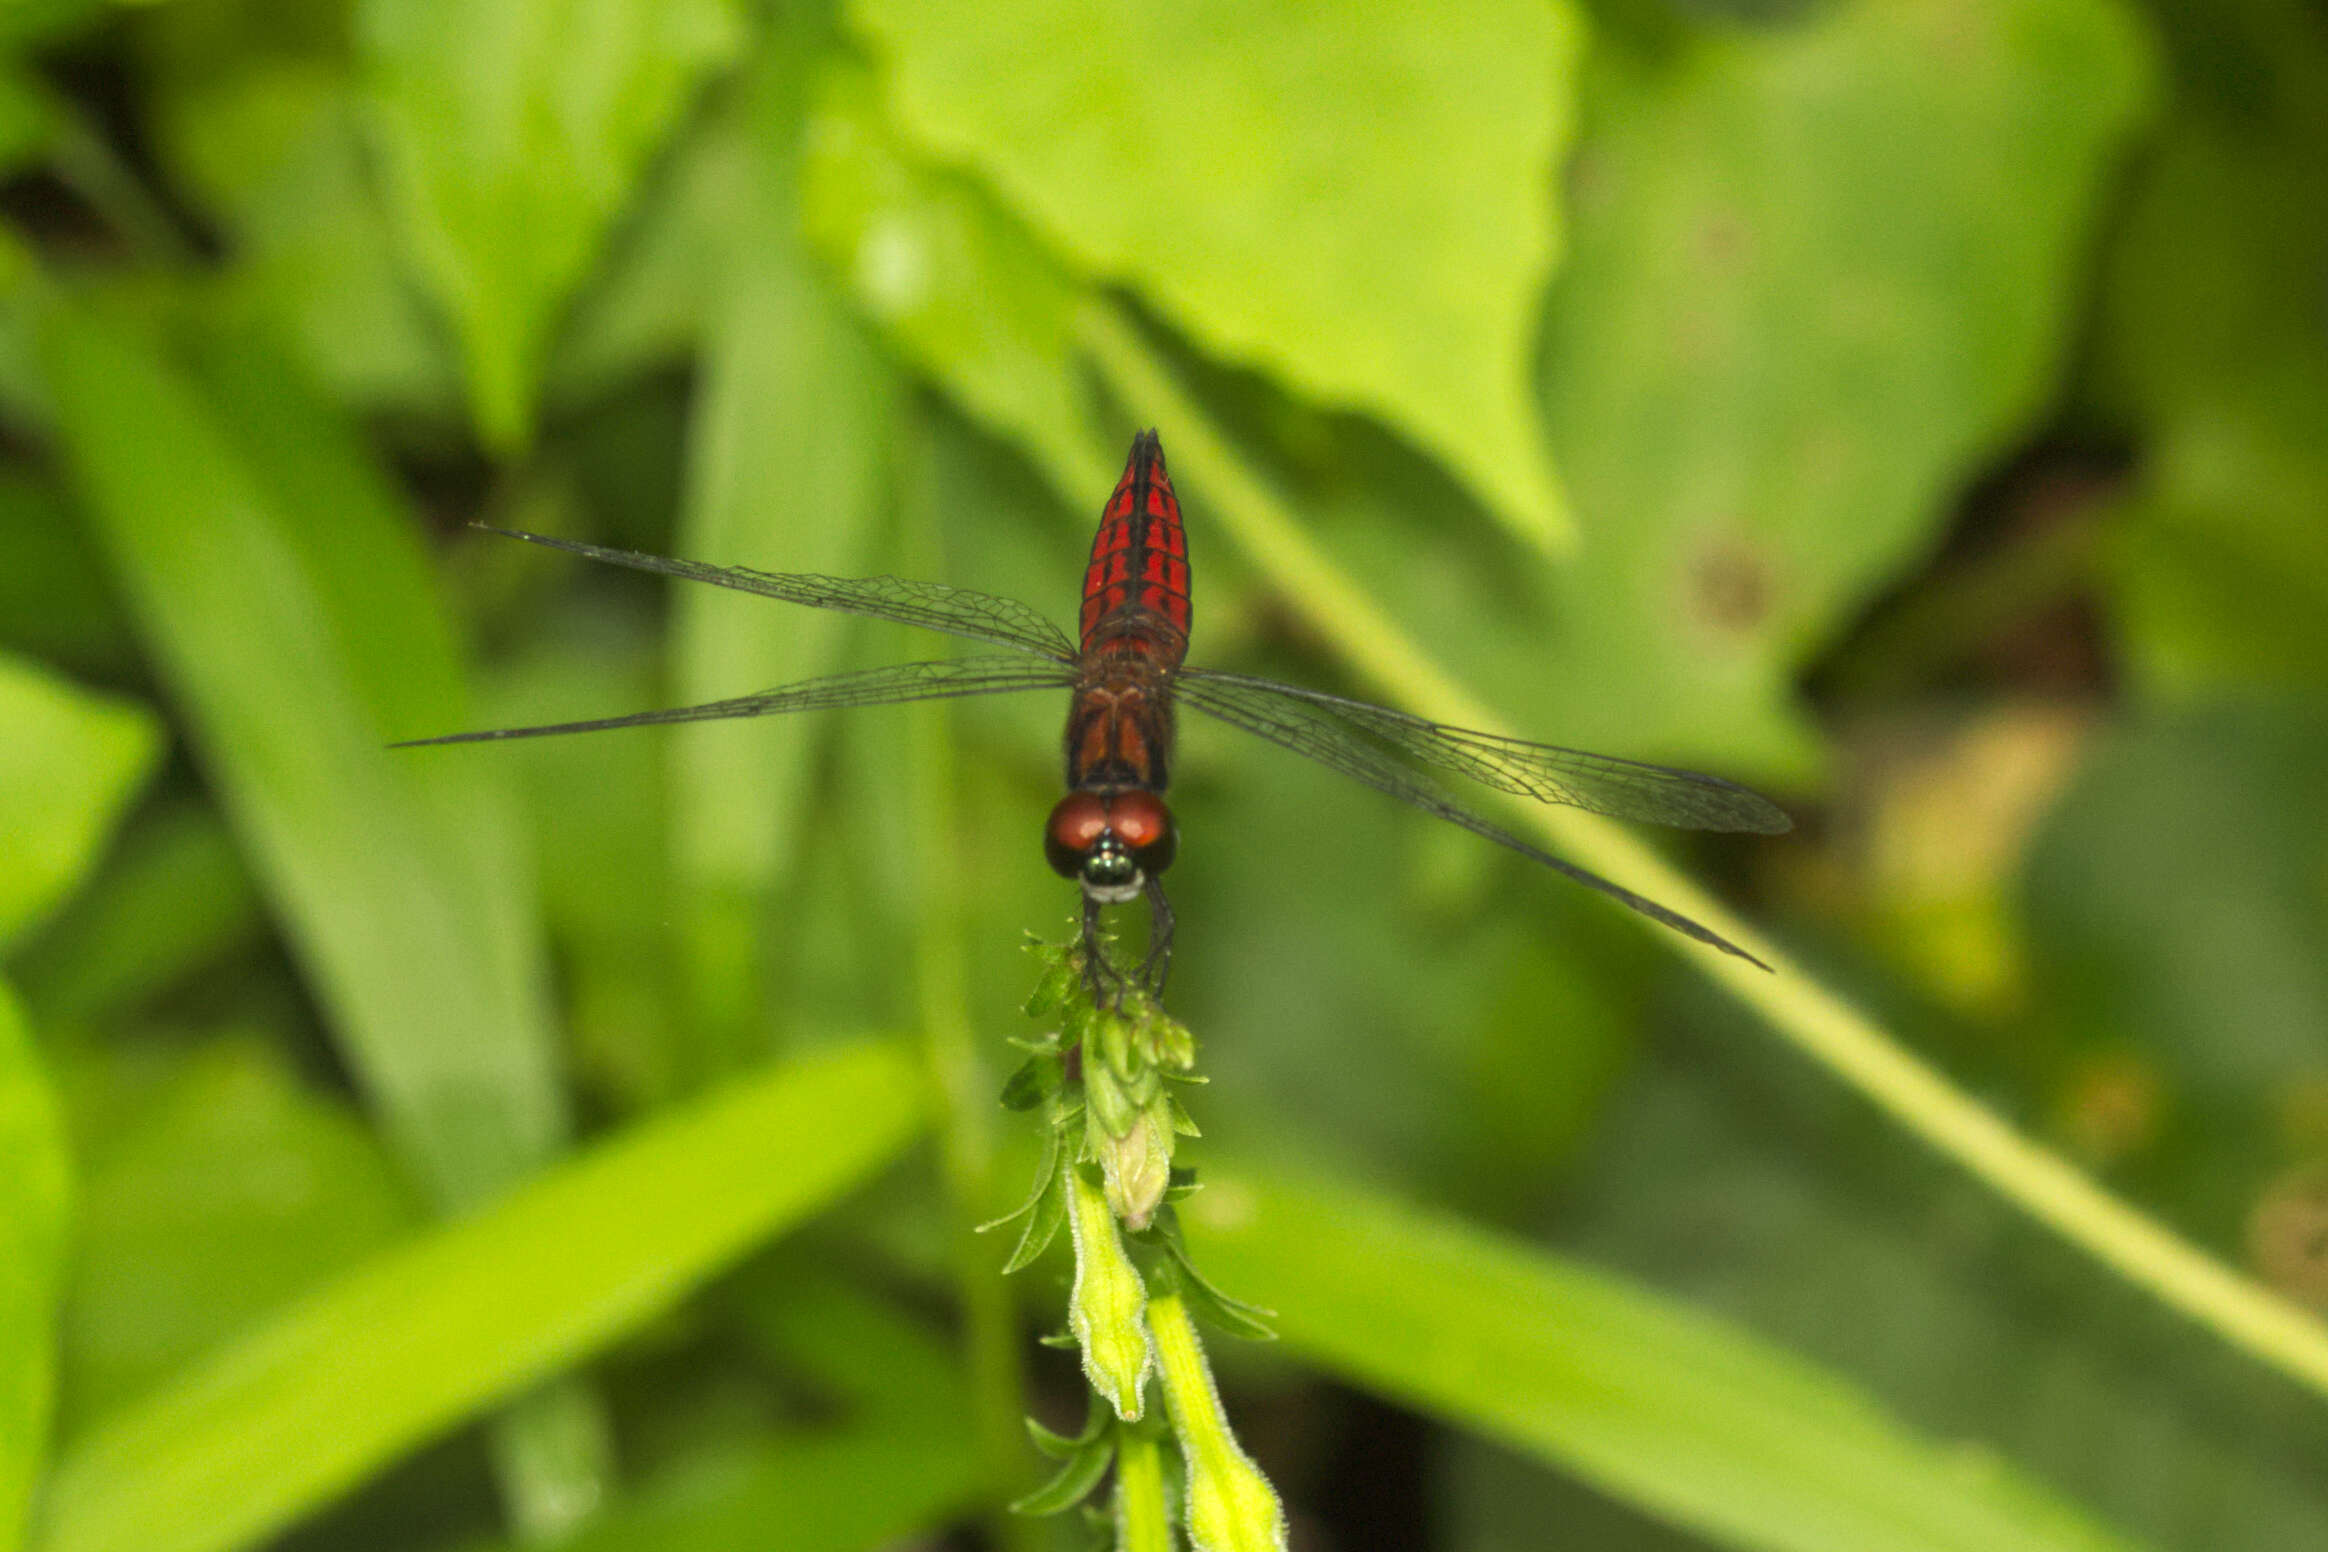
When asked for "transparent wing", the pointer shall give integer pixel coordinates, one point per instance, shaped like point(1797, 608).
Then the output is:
point(1622, 789)
point(873, 687)
point(1000, 622)
point(1296, 723)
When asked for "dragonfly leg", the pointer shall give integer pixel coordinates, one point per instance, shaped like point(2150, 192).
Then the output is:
point(1101, 978)
point(1158, 963)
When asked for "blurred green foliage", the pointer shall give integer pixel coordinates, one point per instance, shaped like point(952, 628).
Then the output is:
point(1917, 408)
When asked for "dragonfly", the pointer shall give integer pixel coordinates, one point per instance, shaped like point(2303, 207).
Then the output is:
point(1126, 674)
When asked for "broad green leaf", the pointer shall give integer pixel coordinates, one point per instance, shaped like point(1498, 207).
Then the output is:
point(232, 1191)
point(960, 286)
point(286, 1419)
point(70, 761)
point(34, 1209)
point(1819, 273)
point(1353, 201)
point(1676, 1412)
point(513, 131)
point(788, 471)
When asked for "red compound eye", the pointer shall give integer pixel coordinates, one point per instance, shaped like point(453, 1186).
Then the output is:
point(1142, 822)
point(1074, 827)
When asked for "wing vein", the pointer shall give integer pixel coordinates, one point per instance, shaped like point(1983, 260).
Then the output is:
point(1292, 722)
point(897, 682)
point(956, 611)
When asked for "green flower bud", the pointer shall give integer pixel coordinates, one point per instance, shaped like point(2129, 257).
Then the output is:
point(1104, 1307)
point(1112, 1109)
point(1231, 1506)
point(1138, 1165)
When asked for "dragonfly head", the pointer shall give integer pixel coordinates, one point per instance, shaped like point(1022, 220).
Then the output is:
point(1110, 843)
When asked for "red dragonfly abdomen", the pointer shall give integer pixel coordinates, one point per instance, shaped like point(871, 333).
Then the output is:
point(1137, 583)
point(1135, 632)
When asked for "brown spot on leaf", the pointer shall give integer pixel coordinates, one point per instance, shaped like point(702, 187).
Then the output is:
point(1731, 586)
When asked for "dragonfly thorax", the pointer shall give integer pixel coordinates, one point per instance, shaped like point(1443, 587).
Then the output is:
point(1111, 843)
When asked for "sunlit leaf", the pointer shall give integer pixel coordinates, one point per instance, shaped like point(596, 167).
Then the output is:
point(1354, 201)
point(286, 1419)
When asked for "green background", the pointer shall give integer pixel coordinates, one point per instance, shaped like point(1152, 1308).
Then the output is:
point(1917, 410)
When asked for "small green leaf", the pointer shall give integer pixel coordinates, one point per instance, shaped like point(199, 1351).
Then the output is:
point(1050, 1211)
point(1233, 1316)
point(70, 761)
point(1045, 1168)
point(1037, 1079)
point(1097, 1419)
point(1073, 1482)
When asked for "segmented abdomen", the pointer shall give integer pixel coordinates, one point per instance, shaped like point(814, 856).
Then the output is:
point(1139, 557)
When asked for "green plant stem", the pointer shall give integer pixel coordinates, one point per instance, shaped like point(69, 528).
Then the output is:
point(1801, 1011)
point(1230, 1505)
point(965, 1101)
point(1143, 1518)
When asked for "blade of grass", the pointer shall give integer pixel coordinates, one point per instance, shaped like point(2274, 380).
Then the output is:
point(286, 1419)
point(34, 1208)
point(1820, 1024)
point(788, 466)
point(1692, 1418)
point(265, 561)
